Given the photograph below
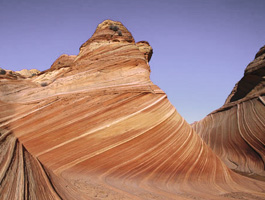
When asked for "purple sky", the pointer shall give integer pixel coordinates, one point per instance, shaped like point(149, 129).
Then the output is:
point(201, 47)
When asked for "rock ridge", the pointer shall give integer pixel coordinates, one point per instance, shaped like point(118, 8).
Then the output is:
point(105, 59)
point(240, 123)
point(253, 81)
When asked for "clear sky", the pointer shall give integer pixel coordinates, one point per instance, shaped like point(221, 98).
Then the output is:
point(201, 47)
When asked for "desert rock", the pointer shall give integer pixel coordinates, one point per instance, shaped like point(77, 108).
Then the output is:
point(28, 73)
point(236, 131)
point(63, 61)
point(100, 129)
point(146, 49)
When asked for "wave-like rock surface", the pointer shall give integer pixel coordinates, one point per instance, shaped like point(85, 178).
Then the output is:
point(236, 131)
point(95, 127)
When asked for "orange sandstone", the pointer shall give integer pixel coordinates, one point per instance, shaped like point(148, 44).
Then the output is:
point(100, 129)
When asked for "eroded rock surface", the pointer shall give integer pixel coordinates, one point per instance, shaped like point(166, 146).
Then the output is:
point(28, 73)
point(100, 129)
point(146, 49)
point(236, 131)
point(63, 61)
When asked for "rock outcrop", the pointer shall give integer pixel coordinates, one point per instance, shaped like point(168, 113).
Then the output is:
point(28, 73)
point(9, 74)
point(236, 131)
point(100, 129)
point(146, 49)
point(63, 61)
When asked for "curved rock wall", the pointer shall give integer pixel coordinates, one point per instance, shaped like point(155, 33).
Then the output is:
point(236, 131)
point(100, 129)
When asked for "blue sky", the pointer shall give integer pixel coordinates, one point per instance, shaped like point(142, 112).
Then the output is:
point(201, 47)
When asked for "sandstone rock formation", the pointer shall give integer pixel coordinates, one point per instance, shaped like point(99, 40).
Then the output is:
point(146, 49)
point(100, 129)
point(63, 61)
point(28, 73)
point(236, 131)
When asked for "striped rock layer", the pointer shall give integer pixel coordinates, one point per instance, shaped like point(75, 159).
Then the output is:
point(94, 126)
point(236, 131)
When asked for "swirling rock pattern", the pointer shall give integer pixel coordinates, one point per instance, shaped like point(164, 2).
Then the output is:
point(236, 131)
point(100, 129)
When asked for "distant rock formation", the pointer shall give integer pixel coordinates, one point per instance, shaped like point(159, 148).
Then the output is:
point(63, 61)
point(94, 126)
point(9, 74)
point(28, 73)
point(236, 131)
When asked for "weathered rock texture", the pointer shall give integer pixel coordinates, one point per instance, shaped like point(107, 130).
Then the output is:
point(100, 129)
point(28, 73)
point(236, 131)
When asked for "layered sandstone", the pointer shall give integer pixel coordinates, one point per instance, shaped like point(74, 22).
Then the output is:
point(28, 73)
point(236, 131)
point(100, 129)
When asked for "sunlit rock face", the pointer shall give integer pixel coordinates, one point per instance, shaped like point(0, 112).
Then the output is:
point(236, 131)
point(28, 73)
point(63, 61)
point(94, 126)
